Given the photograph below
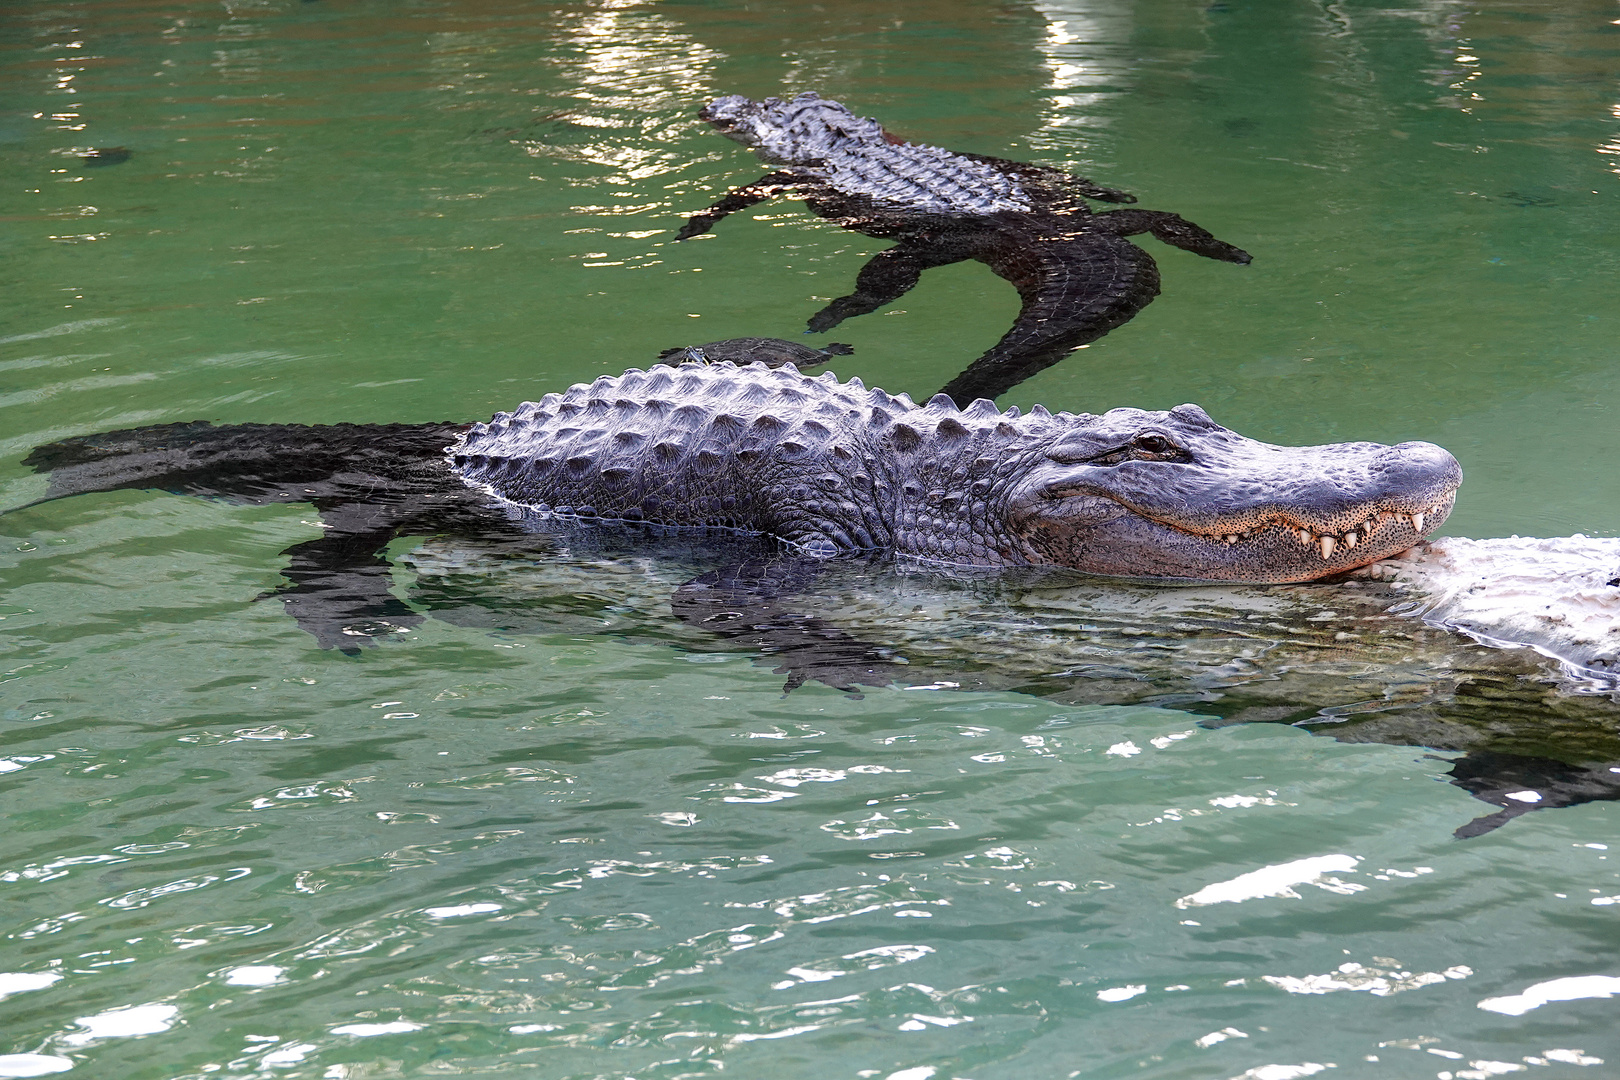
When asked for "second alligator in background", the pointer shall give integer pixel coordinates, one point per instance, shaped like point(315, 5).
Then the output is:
point(1078, 275)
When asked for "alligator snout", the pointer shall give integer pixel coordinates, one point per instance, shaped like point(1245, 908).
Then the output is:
point(1418, 465)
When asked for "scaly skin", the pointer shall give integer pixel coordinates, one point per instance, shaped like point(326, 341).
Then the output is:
point(833, 467)
point(1077, 274)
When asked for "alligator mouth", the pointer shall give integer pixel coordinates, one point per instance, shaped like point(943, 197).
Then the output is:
point(1387, 530)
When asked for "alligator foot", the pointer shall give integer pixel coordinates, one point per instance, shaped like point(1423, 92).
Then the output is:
point(1172, 229)
point(338, 590)
point(766, 187)
point(1520, 784)
point(888, 276)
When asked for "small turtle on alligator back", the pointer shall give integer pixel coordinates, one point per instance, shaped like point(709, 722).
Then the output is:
point(772, 352)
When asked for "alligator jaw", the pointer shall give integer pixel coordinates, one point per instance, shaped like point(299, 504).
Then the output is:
point(1278, 551)
point(1228, 508)
point(1319, 553)
point(1379, 534)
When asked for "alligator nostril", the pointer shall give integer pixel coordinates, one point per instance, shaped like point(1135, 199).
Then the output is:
point(1421, 464)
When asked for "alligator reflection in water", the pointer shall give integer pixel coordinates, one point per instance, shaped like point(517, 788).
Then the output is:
point(1077, 274)
point(1532, 732)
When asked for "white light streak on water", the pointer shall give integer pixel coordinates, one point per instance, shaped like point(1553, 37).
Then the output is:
point(285, 1056)
point(19, 982)
point(1284, 1072)
point(459, 910)
point(123, 1022)
point(1539, 994)
point(254, 975)
point(19, 1065)
point(921, 1072)
point(366, 1031)
point(1380, 982)
point(1220, 1036)
point(1278, 880)
point(1567, 1057)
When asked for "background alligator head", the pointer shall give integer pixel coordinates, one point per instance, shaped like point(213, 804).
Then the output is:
point(1175, 495)
point(788, 132)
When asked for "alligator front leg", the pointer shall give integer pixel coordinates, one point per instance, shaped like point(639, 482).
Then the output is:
point(750, 604)
point(1503, 779)
point(338, 589)
point(766, 187)
point(1172, 229)
point(887, 277)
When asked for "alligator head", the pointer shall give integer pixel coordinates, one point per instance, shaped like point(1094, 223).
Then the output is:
point(799, 131)
point(1175, 495)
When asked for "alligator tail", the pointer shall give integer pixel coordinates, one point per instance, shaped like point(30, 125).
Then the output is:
point(256, 463)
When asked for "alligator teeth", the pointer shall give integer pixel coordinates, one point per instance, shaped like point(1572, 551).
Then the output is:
point(1345, 541)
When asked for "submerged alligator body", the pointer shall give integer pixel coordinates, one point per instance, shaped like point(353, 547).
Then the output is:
point(1077, 274)
point(1372, 658)
point(819, 467)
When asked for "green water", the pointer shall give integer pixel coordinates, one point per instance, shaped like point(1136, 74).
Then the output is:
point(577, 852)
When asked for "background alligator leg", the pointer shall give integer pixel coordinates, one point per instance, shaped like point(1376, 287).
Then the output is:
point(1172, 229)
point(1074, 292)
point(768, 186)
point(750, 604)
point(888, 276)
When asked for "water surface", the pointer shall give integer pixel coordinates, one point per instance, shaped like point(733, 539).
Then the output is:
point(557, 833)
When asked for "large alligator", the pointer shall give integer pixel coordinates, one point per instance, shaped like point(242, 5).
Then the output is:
point(818, 467)
point(1077, 274)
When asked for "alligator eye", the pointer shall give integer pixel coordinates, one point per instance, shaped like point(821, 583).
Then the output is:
point(1153, 444)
